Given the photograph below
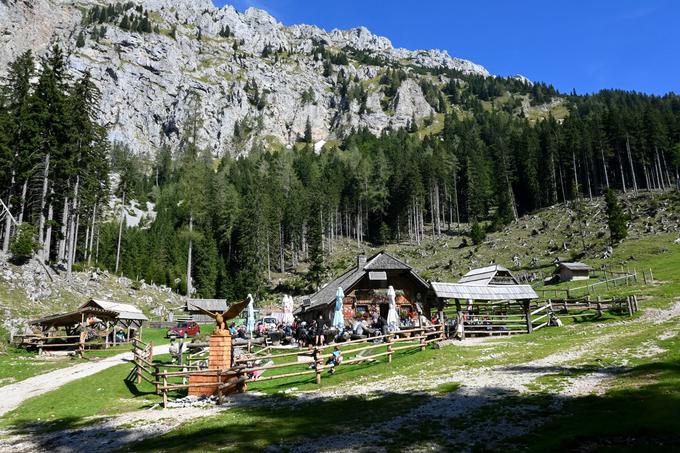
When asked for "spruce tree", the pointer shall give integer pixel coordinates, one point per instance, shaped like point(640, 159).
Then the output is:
point(616, 219)
point(80, 42)
point(308, 131)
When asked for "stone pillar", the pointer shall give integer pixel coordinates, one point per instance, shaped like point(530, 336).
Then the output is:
point(220, 357)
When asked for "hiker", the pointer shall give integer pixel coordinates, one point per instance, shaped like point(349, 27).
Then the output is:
point(174, 351)
point(232, 329)
point(334, 360)
point(319, 338)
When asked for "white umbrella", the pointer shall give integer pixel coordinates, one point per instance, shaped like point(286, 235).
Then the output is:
point(288, 310)
point(250, 323)
point(392, 317)
point(338, 319)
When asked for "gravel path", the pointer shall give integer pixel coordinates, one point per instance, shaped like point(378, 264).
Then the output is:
point(15, 394)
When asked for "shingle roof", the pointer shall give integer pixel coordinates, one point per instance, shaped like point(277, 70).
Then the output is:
point(74, 317)
point(385, 262)
point(207, 304)
point(382, 261)
point(485, 275)
point(483, 292)
point(576, 266)
point(125, 311)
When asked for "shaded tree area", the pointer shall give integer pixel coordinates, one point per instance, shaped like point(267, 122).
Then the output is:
point(53, 156)
point(223, 228)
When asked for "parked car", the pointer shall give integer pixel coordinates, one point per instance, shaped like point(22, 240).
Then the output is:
point(269, 322)
point(184, 329)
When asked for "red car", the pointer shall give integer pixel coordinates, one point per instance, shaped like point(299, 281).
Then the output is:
point(184, 329)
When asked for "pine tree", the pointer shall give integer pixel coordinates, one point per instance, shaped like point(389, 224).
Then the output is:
point(616, 219)
point(308, 131)
point(80, 42)
point(317, 267)
point(125, 23)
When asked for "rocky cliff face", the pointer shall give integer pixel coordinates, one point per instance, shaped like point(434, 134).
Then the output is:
point(242, 72)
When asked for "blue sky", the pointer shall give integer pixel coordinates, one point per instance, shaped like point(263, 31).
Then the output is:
point(586, 45)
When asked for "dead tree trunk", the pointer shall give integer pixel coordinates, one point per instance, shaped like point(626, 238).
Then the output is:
point(630, 161)
point(43, 204)
point(120, 234)
point(191, 230)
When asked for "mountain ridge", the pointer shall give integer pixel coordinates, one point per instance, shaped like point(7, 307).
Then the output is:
point(257, 82)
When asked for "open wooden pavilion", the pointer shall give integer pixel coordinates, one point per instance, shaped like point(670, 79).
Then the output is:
point(130, 319)
point(62, 330)
point(488, 301)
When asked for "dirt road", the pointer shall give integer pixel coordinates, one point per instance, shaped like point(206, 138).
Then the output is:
point(17, 393)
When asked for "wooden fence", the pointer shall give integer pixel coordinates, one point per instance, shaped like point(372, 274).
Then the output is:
point(501, 320)
point(170, 378)
point(584, 307)
point(617, 279)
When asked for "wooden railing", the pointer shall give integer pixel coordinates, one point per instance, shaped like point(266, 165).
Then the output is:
point(245, 371)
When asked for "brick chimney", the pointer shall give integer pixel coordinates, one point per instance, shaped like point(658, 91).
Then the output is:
point(361, 261)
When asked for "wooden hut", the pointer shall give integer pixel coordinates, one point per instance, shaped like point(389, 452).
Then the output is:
point(213, 305)
point(365, 287)
point(573, 271)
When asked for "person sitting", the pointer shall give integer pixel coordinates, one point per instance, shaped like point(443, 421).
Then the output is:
point(359, 328)
point(241, 333)
point(334, 360)
point(232, 329)
point(302, 334)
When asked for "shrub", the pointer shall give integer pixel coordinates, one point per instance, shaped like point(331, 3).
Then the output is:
point(477, 233)
point(24, 244)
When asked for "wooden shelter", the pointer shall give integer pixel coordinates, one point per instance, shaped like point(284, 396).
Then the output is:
point(488, 300)
point(129, 318)
point(365, 287)
point(69, 324)
point(573, 271)
point(213, 305)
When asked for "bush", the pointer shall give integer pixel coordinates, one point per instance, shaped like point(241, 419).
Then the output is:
point(24, 244)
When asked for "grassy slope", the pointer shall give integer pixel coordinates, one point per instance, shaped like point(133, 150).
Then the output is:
point(648, 382)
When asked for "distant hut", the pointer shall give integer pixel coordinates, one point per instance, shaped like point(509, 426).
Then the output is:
point(213, 305)
point(573, 271)
point(489, 275)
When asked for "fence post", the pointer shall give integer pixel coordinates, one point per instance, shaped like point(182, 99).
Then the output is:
point(651, 276)
point(318, 363)
point(635, 303)
point(422, 341)
point(389, 348)
point(156, 370)
point(599, 306)
point(219, 387)
point(527, 315)
point(165, 391)
point(630, 306)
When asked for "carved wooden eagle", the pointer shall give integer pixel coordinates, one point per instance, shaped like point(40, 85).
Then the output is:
point(222, 318)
